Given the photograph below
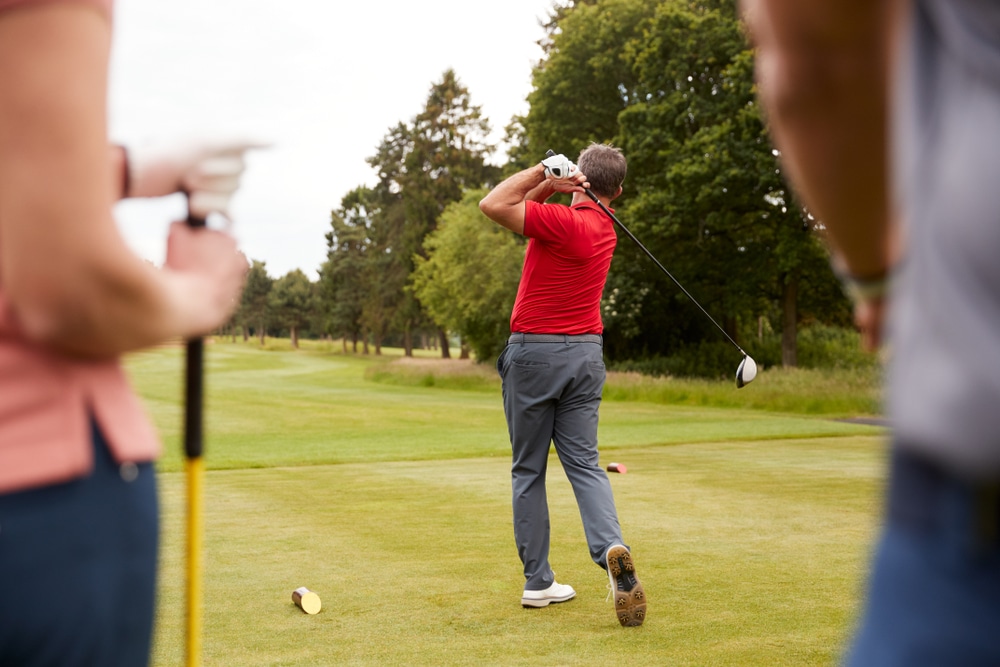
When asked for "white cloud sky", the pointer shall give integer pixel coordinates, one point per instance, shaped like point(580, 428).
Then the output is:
point(322, 80)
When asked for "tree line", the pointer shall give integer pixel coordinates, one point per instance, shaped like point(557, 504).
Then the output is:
point(411, 260)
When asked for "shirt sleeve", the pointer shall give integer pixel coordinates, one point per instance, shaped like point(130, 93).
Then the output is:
point(549, 223)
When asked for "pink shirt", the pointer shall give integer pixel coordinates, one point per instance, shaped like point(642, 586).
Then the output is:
point(565, 268)
point(103, 5)
point(47, 399)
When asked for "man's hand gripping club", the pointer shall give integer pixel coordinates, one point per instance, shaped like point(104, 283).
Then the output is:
point(558, 167)
point(562, 175)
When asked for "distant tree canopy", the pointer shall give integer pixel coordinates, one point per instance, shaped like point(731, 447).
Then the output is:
point(671, 83)
point(468, 281)
point(379, 232)
point(288, 304)
point(254, 309)
point(293, 301)
point(343, 278)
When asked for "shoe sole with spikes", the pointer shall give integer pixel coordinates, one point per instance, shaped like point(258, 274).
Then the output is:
point(630, 598)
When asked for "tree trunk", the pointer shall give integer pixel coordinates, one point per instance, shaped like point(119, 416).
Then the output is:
point(378, 345)
point(263, 332)
point(294, 332)
point(729, 326)
point(789, 321)
point(445, 351)
point(463, 351)
point(246, 333)
point(407, 342)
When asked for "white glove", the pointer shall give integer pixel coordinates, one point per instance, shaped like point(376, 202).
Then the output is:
point(558, 167)
point(208, 171)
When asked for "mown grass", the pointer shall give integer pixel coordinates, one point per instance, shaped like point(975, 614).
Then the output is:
point(315, 406)
point(750, 528)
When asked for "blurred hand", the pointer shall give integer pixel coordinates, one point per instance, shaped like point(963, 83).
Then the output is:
point(210, 259)
point(209, 171)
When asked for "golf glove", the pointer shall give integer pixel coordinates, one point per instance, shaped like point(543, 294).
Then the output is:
point(558, 167)
point(208, 171)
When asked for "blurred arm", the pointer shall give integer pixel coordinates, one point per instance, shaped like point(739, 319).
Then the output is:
point(70, 279)
point(822, 70)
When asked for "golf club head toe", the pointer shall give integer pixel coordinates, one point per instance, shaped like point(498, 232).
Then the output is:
point(746, 371)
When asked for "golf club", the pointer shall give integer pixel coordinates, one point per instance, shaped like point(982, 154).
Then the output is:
point(195, 467)
point(747, 370)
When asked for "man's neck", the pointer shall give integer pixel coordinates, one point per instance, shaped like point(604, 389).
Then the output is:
point(581, 198)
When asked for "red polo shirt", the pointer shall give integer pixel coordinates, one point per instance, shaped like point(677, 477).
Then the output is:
point(565, 268)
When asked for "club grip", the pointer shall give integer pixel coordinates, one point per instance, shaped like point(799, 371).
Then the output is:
point(194, 381)
point(194, 398)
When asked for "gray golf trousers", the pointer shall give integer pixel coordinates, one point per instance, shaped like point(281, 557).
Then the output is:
point(551, 393)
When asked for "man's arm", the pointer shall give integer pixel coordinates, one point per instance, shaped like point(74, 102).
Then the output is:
point(504, 204)
point(822, 70)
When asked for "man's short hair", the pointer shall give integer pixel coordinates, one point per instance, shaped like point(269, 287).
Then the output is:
point(604, 166)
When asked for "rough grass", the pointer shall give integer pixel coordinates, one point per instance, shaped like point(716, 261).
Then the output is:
point(750, 528)
point(835, 392)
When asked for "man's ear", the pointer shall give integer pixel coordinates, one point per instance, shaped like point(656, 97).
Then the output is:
point(618, 192)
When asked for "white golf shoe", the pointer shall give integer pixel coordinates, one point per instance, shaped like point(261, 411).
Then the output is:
point(555, 593)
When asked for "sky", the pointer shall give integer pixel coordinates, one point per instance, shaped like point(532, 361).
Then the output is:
point(322, 81)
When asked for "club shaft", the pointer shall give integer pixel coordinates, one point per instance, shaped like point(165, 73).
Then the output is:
point(193, 449)
point(195, 468)
point(662, 268)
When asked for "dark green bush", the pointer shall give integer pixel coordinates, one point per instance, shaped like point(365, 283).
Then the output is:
point(822, 346)
point(819, 347)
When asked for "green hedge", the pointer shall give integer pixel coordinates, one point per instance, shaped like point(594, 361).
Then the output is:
point(819, 346)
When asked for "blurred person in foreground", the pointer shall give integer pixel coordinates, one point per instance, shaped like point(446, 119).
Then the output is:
point(78, 506)
point(553, 366)
point(887, 115)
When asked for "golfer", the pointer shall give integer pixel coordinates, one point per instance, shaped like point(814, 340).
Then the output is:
point(888, 117)
point(553, 367)
point(78, 506)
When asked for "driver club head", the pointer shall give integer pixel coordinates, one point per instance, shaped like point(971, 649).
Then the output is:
point(746, 371)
